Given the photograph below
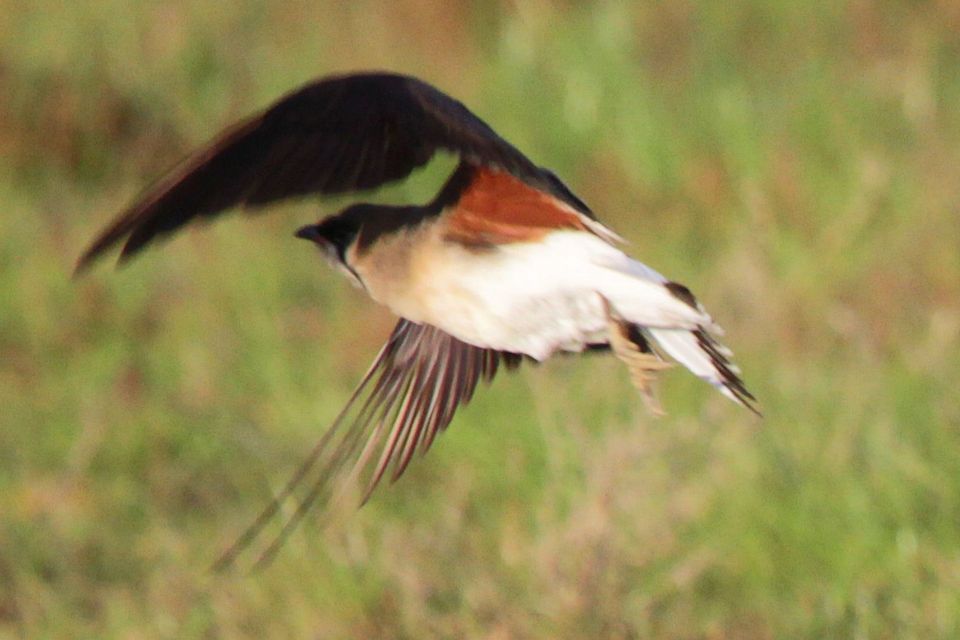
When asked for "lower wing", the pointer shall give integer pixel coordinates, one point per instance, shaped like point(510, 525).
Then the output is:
point(409, 394)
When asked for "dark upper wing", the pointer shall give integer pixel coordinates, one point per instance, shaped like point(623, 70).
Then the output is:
point(337, 135)
point(409, 394)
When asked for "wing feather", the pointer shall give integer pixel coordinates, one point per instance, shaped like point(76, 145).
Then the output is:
point(336, 135)
point(408, 395)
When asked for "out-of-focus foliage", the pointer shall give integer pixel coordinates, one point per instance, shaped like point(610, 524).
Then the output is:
point(797, 164)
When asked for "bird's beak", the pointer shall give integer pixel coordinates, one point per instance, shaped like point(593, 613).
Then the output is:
point(309, 232)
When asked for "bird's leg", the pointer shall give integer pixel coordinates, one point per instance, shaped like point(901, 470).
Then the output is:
point(630, 346)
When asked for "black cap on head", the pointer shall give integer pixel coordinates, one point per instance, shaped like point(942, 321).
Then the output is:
point(334, 234)
point(309, 232)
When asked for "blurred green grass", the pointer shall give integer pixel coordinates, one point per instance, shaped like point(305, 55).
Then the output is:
point(797, 164)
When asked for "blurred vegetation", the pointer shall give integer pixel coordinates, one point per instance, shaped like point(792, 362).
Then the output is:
point(797, 164)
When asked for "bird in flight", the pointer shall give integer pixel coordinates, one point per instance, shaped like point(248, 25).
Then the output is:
point(504, 264)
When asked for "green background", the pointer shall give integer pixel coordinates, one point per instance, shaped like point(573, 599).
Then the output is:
point(797, 164)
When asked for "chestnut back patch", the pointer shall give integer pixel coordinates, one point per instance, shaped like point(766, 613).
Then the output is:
point(496, 208)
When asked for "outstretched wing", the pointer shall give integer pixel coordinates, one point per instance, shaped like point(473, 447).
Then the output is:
point(337, 135)
point(409, 394)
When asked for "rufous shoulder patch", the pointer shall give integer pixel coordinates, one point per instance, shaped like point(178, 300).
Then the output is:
point(497, 208)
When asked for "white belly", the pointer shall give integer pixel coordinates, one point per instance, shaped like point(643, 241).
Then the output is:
point(530, 298)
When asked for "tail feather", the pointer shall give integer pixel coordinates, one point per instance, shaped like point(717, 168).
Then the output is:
point(682, 328)
point(709, 360)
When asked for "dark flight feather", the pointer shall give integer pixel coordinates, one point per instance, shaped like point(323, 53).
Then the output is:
point(407, 397)
point(337, 135)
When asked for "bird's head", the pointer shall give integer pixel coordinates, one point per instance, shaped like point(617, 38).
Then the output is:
point(335, 236)
point(359, 229)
